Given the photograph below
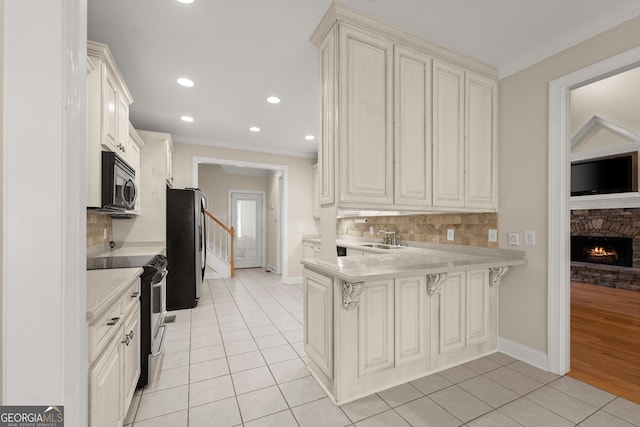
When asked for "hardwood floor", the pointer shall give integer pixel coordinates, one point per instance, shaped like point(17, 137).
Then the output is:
point(605, 339)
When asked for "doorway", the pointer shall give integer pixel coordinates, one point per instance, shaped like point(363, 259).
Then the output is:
point(247, 218)
point(281, 227)
point(558, 284)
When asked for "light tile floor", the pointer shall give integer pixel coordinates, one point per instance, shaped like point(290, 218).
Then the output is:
point(238, 359)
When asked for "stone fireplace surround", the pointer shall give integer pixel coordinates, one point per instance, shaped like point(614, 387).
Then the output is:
point(624, 222)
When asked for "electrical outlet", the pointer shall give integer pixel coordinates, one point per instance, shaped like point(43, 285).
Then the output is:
point(450, 234)
point(529, 237)
point(104, 233)
point(371, 231)
point(514, 239)
point(493, 235)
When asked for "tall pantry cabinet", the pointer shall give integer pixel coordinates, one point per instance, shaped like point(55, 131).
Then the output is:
point(405, 125)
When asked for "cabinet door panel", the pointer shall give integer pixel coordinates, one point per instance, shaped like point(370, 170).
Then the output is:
point(131, 355)
point(327, 137)
point(318, 338)
point(448, 131)
point(412, 128)
point(481, 177)
point(410, 319)
point(452, 312)
point(477, 306)
point(105, 407)
point(122, 141)
point(366, 145)
point(375, 327)
point(111, 101)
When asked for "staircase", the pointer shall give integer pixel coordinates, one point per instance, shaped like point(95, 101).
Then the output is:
point(220, 249)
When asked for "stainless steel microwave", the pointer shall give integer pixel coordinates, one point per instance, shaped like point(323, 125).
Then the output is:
point(119, 190)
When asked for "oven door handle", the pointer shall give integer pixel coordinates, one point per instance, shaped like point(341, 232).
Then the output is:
point(159, 283)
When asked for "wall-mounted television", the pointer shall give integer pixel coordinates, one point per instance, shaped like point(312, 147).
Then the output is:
point(605, 175)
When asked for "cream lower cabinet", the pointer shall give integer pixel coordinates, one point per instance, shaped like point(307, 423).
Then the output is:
point(114, 354)
point(318, 320)
point(106, 398)
point(464, 318)
point(365, 337)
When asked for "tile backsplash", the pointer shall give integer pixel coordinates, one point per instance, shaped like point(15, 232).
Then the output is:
point(96, 224)
point(469, 229)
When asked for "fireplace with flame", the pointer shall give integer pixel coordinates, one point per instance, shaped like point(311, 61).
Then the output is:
point(602, 250)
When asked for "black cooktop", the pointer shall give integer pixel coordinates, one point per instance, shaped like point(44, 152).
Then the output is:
point(105, 263)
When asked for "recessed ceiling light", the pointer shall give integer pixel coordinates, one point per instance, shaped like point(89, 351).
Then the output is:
point(187, 119)
point(183, 81)
point(185, 1)
point(309, 137)
point(254, 129)
point(273, 100)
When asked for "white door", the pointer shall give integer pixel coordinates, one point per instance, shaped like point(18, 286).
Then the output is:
point(246, 219)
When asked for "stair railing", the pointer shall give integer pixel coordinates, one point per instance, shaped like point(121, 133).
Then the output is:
point(220, 240)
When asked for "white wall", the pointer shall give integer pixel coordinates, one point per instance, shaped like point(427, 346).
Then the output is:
point(44, 136)
point(300, 220)
point(615, 99)
point(523, 162)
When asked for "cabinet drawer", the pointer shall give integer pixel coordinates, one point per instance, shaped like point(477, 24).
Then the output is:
point(103, 328)
point(131, 296)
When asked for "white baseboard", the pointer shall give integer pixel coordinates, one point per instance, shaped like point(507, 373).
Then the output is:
point(293, 280)
point(272, 269)
point(521, 352)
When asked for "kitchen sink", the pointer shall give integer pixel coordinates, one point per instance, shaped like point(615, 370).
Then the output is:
point(382, 246)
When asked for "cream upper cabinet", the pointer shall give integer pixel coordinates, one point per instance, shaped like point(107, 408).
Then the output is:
point(315, 192)
point(481, 100)
point(405, 125)
point(108, 101)
point(448, 135)
point(135, 146)
point(328, 97)
point(412, 115)
point(464, 146)
point(365, 149)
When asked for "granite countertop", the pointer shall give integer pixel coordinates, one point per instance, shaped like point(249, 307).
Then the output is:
point(423, 259)
point(105, 286)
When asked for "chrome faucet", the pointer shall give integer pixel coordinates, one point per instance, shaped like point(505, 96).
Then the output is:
point(385, 238)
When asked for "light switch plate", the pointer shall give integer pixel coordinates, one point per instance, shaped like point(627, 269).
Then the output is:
point(493, 235)
point(529, 237)
point(514, 239)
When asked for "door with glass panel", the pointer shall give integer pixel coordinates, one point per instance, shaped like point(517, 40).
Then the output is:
point(246, 218)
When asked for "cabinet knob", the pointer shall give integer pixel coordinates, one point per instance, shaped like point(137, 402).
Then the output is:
point(131, 334)
point(135, 294)
point(126, 340)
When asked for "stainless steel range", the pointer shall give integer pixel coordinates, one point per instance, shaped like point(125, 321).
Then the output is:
point(152, 305)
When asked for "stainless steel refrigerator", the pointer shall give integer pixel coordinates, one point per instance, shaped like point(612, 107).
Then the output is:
point(186, 247)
